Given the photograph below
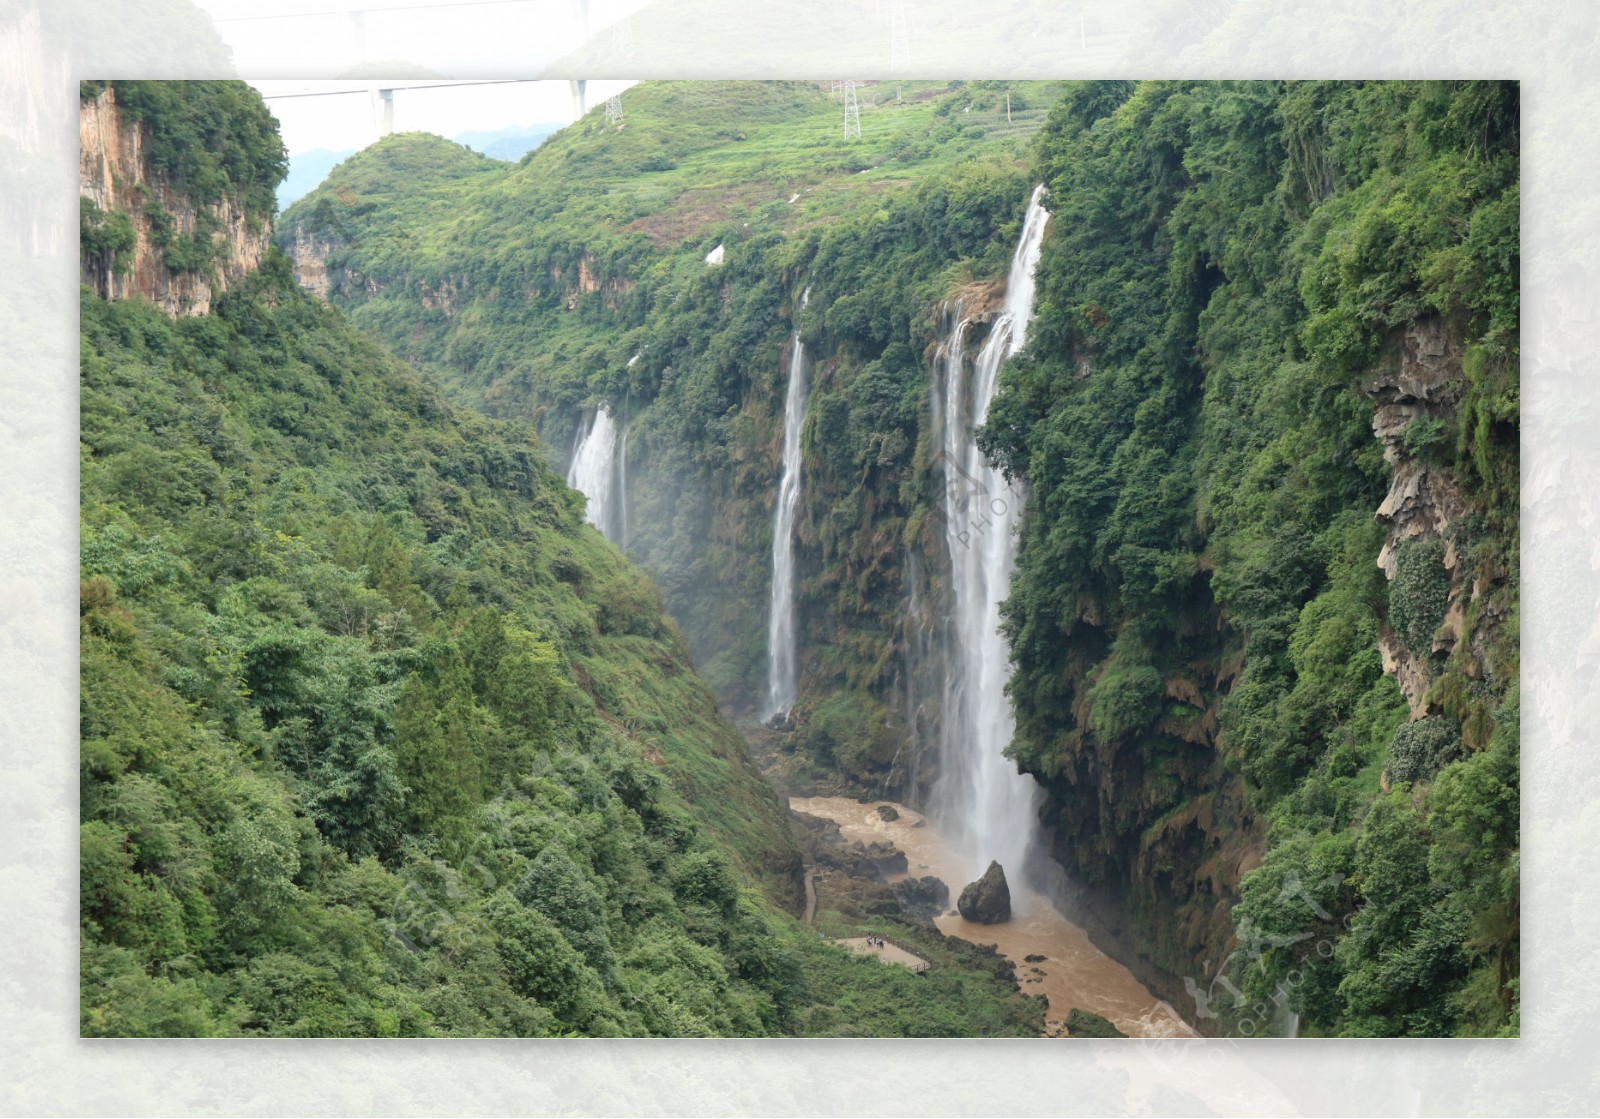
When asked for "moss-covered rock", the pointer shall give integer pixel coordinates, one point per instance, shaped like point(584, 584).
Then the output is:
point(987, 900)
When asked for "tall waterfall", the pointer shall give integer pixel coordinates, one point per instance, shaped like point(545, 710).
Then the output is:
point(783, 658)
point(593, 471)
point(990, 808)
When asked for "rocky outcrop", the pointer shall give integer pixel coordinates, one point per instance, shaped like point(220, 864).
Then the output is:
point(1426, 384)
point(923, 897)
point(445, 296)
point(316, 269)
point(114, 176)
point(309, 256)
point(1423, 386)
point(611, 289)
point(824, 844)
point(987, 901)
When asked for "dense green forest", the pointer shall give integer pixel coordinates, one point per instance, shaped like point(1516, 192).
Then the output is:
point(379, 739)
point(1239, 273)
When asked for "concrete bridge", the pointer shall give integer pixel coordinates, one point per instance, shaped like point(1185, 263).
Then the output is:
point(356, 15)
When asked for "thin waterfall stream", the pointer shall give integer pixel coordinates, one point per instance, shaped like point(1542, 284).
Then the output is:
point(593, 471)
point(783, 660)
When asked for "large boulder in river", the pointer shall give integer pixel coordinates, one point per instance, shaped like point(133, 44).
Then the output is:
point(988, 900)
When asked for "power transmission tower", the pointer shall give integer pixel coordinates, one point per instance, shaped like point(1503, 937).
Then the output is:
point(622, 35)
point(899, 38)
point(852, 112)
point(614, 108)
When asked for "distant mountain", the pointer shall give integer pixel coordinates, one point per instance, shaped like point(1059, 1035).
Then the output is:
point(510, 144)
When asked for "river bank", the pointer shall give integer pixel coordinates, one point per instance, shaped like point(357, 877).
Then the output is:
point(1053, 957)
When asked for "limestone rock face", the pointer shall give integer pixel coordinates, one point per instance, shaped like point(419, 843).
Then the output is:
point(114, 175)
point(1425, 384)
point(988, 900)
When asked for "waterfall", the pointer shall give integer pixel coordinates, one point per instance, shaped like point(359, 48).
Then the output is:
point(783, 659)
point(991, 809)
point(593, 471)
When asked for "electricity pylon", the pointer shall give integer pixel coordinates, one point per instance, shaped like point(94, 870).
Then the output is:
point(852, 112)
point(614, 108)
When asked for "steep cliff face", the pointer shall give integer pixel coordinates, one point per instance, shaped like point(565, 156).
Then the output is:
point(224, 243)
point(1266, 663)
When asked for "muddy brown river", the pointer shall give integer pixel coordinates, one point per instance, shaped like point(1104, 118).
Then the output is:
point(1073, 973)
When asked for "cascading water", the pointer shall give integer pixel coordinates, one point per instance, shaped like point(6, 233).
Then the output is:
point(593, 471)
point(783, 660)
point(989, 808)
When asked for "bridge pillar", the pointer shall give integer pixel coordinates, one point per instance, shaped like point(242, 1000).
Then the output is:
point(382, 110)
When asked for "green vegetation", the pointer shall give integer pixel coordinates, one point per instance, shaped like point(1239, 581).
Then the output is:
point(106, 240)
point(969, 991)
point(357, 757)
point(379, 738)
point(362, 754)
point(1229, 266)
point(526, 291)
point(1086, 1023)
point(210, 139)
